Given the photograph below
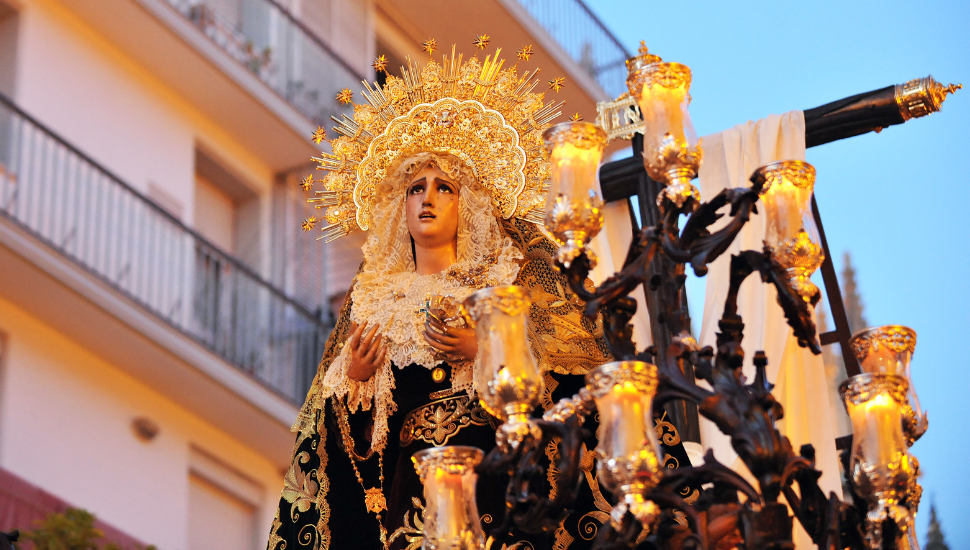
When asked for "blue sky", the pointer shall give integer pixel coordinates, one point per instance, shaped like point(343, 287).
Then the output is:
point(899, 201)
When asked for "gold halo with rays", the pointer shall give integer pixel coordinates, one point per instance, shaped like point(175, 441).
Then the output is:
point(488, 117)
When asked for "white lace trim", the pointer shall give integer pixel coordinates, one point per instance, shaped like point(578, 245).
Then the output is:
point(390, 294)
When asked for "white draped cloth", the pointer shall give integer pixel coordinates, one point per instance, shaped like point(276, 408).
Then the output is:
point(730, 157)
point(611, 246)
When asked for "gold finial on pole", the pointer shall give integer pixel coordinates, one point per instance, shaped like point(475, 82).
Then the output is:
point(922, 96)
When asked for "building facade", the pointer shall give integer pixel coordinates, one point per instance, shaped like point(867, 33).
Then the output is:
point(161, 313)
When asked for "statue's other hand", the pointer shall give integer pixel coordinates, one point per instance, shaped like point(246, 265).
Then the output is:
point(454, 343)
point(367, 351)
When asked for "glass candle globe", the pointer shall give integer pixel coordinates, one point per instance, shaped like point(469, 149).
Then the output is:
point(671, 149)
point(881, 469)
point(628, 452)
point(451, 517)
point(506, 377)
point(786, 194)
point(574, 206)
point(889, 350)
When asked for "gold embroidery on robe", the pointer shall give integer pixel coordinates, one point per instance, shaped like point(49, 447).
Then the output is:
point(438, 421)
point(411, 530)
point(666, 432)
point(299, 489)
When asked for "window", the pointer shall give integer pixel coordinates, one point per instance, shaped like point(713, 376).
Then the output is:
point(8, 49)
point(223, 505)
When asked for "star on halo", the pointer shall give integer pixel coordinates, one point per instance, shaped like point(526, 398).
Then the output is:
point(345, 96)
point(481, 42)
point(380, 64)
point(319, 135)
point(430, 45)
point(307, 182)
point(308, 223)
point(524, 53)
point(576, 118)
point(557, 83)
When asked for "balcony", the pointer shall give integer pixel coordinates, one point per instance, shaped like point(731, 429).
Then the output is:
point(280, 50)
point(82, 212)
point(585, 38)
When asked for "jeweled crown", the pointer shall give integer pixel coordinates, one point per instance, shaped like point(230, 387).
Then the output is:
point(488, 117)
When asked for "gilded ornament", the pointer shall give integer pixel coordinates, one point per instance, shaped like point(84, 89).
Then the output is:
point(801, 257)
point(641, 376)
point(798, 173)
point(656, 73)
point(897, 338)
point(453, 460)
point(583, 136)
point(429, 46)
point(438, 375)
point(481, 41)
point(621, 118)
point(642, 59)
point(380, 64)
point(319, 135)
point(864, 387)
point(345, 97)
point(307, 182)
point(374, 500)
point(922, 96)
point(576, 117)
point(557, 83)
point(308, 223)
point(524, 53)
point(675, 162)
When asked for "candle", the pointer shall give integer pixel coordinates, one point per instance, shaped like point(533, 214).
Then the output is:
point(451, 513)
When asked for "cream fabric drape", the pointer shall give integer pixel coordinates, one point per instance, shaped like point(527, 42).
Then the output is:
point(799, 377)
point(610, 246)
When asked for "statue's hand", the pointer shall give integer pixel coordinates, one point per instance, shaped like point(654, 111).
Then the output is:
point(455, 344)
point(367, 351)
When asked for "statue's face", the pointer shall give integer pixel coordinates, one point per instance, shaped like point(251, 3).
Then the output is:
point(432, 208)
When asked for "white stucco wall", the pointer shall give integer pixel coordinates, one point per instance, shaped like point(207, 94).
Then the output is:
point(87, 90)
point(65, 426)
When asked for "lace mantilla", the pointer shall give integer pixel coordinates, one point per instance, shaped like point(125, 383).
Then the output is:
point(390, 294)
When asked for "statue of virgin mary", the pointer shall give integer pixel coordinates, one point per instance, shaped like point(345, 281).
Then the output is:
point(444, 169)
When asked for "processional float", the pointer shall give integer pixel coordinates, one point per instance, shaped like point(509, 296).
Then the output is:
point(650, 509)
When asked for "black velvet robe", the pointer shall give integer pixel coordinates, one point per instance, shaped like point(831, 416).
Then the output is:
point(350, 525)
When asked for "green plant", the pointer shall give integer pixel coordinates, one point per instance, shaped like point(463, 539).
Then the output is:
point(72, 530)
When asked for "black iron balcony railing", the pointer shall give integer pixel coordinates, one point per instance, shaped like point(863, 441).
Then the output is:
point(585, 38)
point(277, 48)
point(71, 204)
